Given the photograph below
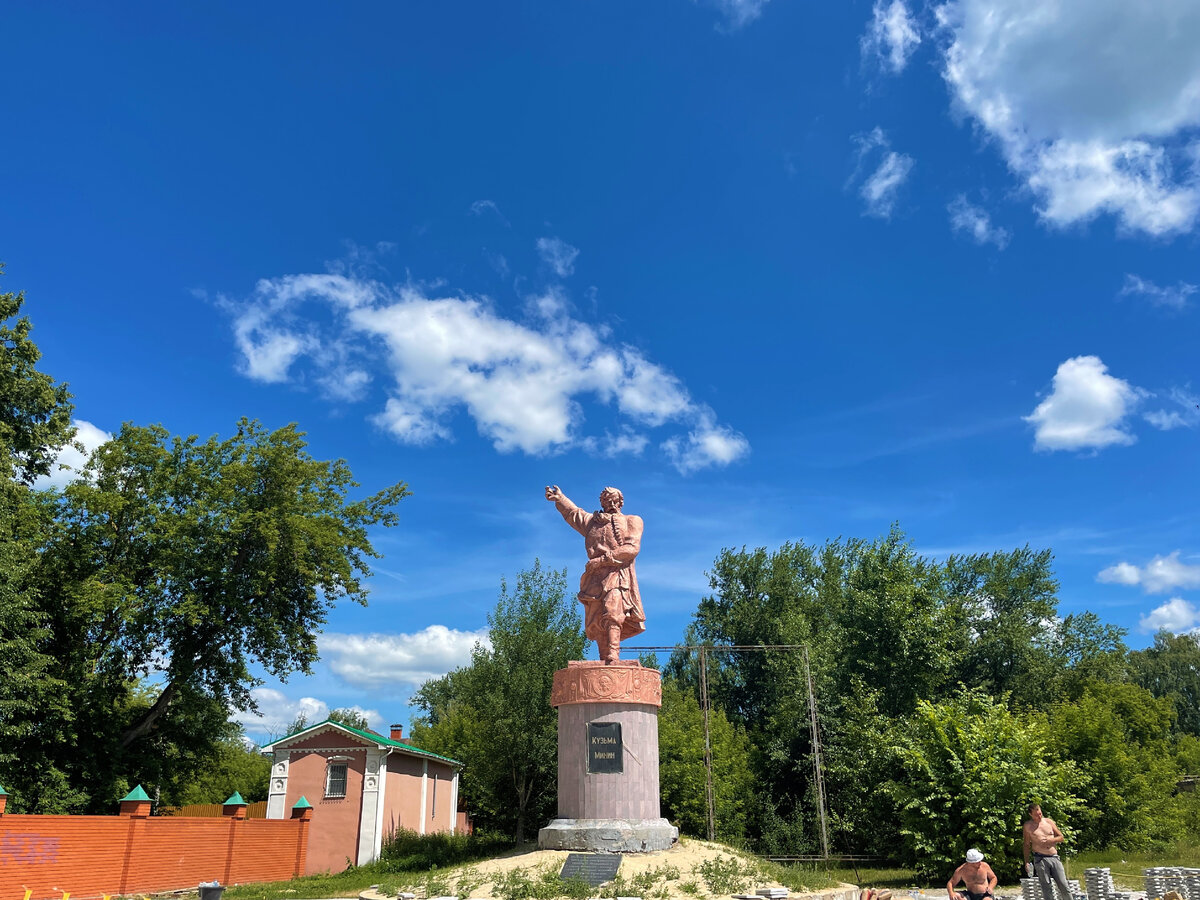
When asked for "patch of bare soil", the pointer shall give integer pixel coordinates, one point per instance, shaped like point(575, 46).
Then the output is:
point(677, 873)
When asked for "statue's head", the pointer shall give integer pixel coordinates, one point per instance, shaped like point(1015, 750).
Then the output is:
point(611, 500)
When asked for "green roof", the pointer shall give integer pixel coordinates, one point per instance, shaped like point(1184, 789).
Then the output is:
point(366, 736)
point(3, 793)
point(136, 794)
point(302, 803)
point(235, 800)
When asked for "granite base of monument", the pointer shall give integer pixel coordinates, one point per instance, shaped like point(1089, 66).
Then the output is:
point(608, 835)
point(607, 760)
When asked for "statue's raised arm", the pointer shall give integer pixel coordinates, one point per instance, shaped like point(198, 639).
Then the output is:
point(608, 588)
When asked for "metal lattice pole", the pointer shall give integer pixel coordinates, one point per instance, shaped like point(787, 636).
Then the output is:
point(817, 768)
point(708, 779)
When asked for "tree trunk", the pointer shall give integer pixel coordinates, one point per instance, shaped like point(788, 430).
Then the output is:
point(146, 724)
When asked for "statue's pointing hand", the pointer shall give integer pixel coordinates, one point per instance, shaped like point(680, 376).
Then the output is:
point(553, 494)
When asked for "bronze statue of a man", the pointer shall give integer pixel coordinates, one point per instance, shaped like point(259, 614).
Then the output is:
point(608, 588)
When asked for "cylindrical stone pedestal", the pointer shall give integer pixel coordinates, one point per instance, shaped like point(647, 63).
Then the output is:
point(607, 760)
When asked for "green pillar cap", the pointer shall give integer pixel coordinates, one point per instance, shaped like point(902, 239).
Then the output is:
point(235, 800)
point(136, 794)
point(302, 803)
point(3, 793)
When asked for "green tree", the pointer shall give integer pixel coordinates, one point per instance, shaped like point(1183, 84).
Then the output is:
point(1007, 598)
point(1171, 668)
point(874, 616)
point(346, 715)
point(970, 768)
point(233, 767)
point(681, 766)
point(188, 562)
point(495, 716)
point(35, 412)
point(35, 422)
point(1118, 738)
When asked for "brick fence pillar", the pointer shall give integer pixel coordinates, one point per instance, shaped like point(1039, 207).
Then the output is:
point(302, 812)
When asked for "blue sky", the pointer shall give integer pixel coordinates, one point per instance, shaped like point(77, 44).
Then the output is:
point(779, 270)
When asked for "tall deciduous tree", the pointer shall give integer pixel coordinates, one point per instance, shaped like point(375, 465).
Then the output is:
point(1118, 737)
point(681, 766)
point(189, 562)
point(35, 422)
point(495, 715)
point(1171, 668)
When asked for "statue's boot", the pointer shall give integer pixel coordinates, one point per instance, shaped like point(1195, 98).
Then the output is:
point(612, 652)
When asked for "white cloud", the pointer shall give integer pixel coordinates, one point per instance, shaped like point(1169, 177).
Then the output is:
point(1160, 575)
point(1122, 573)
point(880, 189)
point(706, 445)
point(1093, 104)
point(1175, 298)
point(967, 218)
point(484, 207)
point(558, 255)
point(522, 382)
point(377, 660)
point(739, 13)
point(892, 35)
point(1086, 408)
point(277, 712)
point(72, 457)
point(1176, 615)
point(1187, 415)
point(624, 443)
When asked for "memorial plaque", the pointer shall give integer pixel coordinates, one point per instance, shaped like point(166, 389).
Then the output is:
point(605, 752)
point(594, 868)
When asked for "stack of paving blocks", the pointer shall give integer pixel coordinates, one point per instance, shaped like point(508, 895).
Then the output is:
point(1031, 889)
point(1182, 880)
point(1100, 885)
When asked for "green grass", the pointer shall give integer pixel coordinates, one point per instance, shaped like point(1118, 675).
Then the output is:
point(408, 861)
point(343, 884)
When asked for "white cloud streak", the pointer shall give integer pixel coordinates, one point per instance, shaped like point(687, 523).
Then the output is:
point(1176, 615)
point(740, 13)
point(1186, 413)
point(558, 255)
point(892, 36)
point(1174, 298)
point(277, 712)
point(1086, 408)
point(1159, 576)
point(974, 221)
point(522, 382)
point(378, 660)
point(880, 189)
point(1093, 105)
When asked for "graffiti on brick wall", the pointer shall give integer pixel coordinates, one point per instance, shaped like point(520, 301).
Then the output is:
point(27, 848)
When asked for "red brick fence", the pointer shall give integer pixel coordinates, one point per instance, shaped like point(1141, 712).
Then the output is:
point(90, 856)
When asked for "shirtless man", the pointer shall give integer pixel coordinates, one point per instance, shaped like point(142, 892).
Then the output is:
point(1042, 838)
point(976, 875)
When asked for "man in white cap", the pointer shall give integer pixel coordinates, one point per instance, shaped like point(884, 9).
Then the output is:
point(976, 875)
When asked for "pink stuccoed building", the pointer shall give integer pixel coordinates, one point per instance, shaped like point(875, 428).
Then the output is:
point(362, 786)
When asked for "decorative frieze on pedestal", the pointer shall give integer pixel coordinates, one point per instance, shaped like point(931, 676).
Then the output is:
point(626, 681)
